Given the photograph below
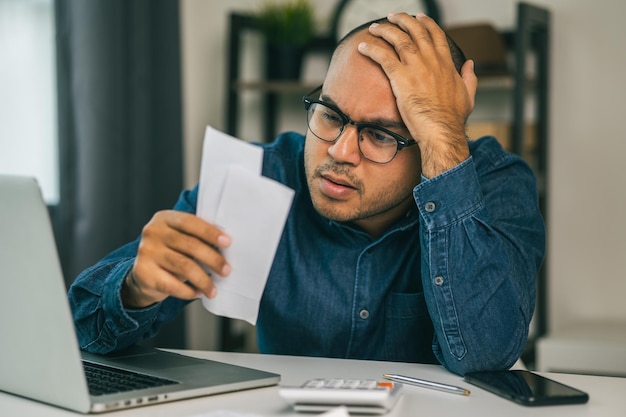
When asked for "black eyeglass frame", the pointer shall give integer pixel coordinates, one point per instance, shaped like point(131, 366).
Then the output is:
point(401, 142)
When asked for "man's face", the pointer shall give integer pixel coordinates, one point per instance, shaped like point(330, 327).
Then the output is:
point(344, 185)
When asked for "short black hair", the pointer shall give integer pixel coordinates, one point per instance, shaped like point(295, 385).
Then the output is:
point(458, 57)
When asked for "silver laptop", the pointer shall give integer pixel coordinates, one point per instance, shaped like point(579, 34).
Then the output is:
point(39, 354)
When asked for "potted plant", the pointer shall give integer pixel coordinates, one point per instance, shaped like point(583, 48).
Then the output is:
point(288, 30)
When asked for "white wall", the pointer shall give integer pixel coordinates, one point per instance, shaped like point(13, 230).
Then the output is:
point(587, 195)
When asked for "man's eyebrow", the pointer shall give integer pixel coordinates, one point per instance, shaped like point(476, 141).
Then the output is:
point(326, 99)
point(382, 122)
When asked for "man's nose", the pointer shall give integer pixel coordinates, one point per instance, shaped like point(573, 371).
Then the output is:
point(346, 147)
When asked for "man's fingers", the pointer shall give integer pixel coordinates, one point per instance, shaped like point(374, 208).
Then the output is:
point(418, 42)
point(193, 225)
point(189, 235)
point(174, 255)
point(399, 39)
point(195, 249)
point(388, 62)
point(179, 256)
point(187, 269)
point(163, 284)
point(424, 31)
point(165, 279)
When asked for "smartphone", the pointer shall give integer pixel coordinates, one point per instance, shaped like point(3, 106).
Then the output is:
point(527, 388)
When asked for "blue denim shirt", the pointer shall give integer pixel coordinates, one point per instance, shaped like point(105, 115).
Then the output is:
point(452, 282)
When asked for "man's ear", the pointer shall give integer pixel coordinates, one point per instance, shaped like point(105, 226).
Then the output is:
point(469, 78)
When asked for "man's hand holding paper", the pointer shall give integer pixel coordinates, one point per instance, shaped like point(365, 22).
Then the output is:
point(239, 221)
point(173, 245)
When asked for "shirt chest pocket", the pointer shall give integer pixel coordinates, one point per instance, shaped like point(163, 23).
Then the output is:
point(408, 328)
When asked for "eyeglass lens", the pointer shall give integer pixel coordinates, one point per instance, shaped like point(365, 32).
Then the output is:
point(375, 144)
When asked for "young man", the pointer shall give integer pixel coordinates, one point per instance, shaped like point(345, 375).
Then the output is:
point(405, 241)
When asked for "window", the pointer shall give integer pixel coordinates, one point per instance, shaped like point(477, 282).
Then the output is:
point(28, 98)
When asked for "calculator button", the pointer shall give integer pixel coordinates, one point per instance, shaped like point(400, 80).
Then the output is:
point(333, 383)
point(314, 383)
point(351, 384)
point(386, 384)
point(368, 384)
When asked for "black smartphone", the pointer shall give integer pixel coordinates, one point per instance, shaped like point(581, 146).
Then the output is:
point(527, 388)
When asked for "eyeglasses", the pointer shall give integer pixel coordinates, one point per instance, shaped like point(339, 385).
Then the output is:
point(376, 143)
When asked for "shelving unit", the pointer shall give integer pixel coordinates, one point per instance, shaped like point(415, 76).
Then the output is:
point(528, 43)
point(239, 24)
point(532, 35)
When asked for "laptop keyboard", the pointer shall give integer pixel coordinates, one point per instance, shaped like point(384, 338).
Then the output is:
point(106, 380)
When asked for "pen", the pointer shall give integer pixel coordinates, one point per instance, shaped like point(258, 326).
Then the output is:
point(427, 384)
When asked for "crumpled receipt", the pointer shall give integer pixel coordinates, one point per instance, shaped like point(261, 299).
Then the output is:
point(251, 209)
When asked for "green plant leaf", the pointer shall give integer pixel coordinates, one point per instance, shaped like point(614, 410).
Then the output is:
point(287, 22)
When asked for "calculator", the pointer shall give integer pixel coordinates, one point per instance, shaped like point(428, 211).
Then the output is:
point(362, 396)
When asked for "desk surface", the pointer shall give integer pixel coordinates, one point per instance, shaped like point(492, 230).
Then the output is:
point(607, 394)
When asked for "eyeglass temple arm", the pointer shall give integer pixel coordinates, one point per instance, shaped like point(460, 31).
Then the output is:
point(319, 87)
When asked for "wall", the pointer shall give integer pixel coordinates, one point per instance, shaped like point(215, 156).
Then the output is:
point(587, 194)
point(587, 197)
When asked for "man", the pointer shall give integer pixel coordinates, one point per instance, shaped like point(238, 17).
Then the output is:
point(405, 241)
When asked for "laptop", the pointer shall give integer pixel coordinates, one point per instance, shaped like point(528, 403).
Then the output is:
point(39, 354)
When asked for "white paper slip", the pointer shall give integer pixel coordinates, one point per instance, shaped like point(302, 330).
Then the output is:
point(220, 151)
point(252, 209)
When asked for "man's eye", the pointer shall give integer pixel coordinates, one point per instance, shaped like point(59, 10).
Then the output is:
point(378, 138)
point(332, 117)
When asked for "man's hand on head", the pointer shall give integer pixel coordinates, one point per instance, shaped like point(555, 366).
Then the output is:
point(434, 101)
point(172, 249)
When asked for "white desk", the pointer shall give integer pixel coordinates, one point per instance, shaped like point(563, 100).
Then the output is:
point(586, 347)
point(607, 395)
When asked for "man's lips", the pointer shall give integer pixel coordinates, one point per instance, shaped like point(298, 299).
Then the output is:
point(337, 180)
point(336, 188)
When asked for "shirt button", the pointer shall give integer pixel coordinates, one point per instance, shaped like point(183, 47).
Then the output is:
point(439, 280)
point(364, 314)
point(430, 207)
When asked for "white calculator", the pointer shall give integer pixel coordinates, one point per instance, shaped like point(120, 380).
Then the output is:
point(363, 396)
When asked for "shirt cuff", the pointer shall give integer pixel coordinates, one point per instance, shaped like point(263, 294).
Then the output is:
point(120, 319)
point(449, 197)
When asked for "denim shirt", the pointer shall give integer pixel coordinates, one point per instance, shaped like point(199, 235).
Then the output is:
point(453, 282)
